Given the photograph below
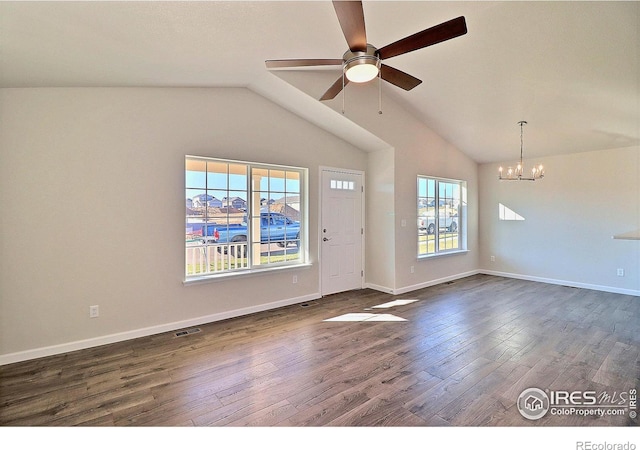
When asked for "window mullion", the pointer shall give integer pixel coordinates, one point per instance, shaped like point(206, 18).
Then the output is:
point(436, 218)
point(250, 215)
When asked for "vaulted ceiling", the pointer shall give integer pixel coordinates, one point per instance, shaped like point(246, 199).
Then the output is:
point(571, 69)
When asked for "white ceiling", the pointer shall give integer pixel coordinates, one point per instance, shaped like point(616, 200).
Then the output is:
point(571, 69)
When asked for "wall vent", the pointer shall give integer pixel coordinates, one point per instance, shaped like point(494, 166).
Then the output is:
point(186, 332)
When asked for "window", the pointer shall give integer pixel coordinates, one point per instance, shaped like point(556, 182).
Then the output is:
point(342, 185)
point(441, 208)
point(242, 216)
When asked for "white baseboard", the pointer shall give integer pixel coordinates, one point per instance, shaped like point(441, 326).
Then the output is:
point(415, 287)
point(595, 287)
point(141, 332)
point(377, 287)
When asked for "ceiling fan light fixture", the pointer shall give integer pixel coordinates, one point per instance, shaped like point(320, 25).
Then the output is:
point(360, 67)
point(361, 70)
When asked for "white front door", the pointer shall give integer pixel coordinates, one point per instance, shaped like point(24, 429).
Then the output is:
point(341, 231)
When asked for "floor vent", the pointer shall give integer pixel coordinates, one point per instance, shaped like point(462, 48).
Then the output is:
point(186, 332)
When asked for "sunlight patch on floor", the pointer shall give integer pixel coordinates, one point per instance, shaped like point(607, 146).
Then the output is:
point(371, 317)
point(395, 303)
point(366, 317)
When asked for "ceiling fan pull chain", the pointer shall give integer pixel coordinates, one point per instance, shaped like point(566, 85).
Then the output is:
point(343, 92)
point(379, 92)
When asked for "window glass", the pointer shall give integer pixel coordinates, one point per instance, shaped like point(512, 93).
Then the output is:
point(440, 215)
point(242, 216)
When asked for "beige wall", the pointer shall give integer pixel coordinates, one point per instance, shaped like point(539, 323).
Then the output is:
point(417, 150)
point(380, 221)
point(92, 198)
point(569, 219)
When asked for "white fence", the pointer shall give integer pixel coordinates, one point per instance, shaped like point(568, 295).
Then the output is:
point(208, 259)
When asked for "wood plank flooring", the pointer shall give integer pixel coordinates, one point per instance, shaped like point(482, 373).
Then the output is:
point(462, 357)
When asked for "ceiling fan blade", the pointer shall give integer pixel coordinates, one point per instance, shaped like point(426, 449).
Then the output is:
point(398, 77)
point(283, 63)
point(434, 35)
point(334, 89)
point(351, 18)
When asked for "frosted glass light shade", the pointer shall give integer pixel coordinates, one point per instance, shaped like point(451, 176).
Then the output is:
point(361, 72)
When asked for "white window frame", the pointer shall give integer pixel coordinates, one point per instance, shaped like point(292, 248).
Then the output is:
point(461, 222)
point(207, 251)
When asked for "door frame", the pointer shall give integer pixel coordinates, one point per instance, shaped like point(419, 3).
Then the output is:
point(363, 235)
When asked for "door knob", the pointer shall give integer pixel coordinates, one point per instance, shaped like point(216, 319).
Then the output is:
point(326, 239)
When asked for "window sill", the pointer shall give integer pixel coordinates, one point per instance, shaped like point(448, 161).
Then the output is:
point(437, 255)
point(240, 274)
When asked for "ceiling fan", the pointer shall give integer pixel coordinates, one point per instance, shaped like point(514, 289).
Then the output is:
point(362, 62)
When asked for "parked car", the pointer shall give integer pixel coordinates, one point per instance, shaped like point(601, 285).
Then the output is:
point(428, 224)
point(274, 228)
point(441, 203)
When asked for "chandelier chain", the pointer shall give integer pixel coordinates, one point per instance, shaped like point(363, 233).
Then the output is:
point(521, 140)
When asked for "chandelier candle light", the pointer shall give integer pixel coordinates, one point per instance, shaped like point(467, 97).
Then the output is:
point(517, 174)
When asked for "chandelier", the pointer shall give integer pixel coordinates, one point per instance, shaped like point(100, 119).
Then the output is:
point(518, 173)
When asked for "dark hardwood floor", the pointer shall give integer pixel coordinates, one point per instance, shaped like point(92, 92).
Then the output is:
point(462, 357)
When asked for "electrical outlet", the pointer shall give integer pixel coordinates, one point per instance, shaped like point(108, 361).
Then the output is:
point(493, 258)
point(295, 279)
point(413, 269)
point(620, 272)
point(94, 311)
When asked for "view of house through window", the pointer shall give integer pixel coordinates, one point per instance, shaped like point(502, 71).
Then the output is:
point(242, 216)
point(440, 215)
